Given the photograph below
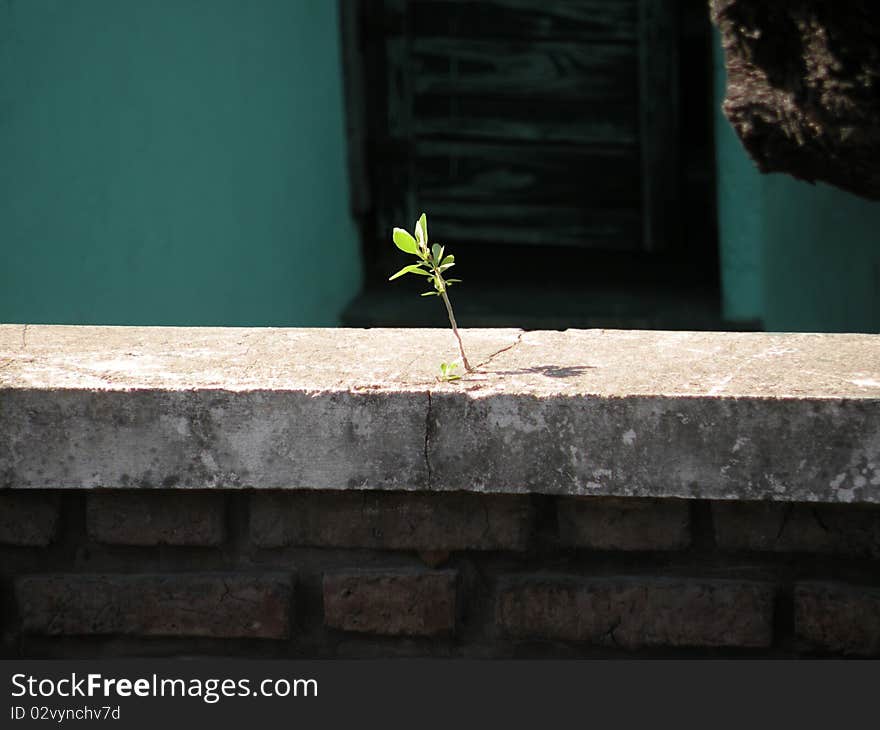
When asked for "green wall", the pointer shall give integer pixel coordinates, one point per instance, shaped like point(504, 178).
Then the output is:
point(799, 257)
point(174, 162)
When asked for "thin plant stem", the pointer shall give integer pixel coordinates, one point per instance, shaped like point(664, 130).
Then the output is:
point(467, 365)
point(431, 265)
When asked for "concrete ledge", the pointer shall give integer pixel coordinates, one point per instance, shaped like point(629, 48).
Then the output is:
point(792, 417)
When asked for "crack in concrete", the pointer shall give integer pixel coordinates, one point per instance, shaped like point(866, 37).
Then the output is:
point(498, 352)
point(786, 515)
point(818, 517)
point(428, 441)
point(487, 524)
point(24, 337)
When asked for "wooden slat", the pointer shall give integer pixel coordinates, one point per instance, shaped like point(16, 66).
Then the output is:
point(514, 127)
point(543, 225)
point(579, 20)
point(586, 131)
point(526, 173)
point(540, 70)
point(659, 104)
point(562, 120)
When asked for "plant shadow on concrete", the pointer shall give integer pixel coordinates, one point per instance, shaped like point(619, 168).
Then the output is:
point(431, 262)
point(548, 371)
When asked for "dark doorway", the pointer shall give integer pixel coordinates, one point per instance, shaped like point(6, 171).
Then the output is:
point(562, 150)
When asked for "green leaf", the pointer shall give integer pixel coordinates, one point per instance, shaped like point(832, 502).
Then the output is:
point(430, 294)
point(411, 269)
point(448, 260)
point(445, 266)
point(447, 371)
point(422, 225)
point(436, 251)
point(405, 242)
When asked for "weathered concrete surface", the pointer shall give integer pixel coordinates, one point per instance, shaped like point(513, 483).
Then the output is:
point(597, 412)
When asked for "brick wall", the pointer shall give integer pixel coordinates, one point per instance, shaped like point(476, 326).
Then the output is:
point(358, 574)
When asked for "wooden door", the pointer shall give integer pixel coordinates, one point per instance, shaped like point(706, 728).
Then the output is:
point(517, 122)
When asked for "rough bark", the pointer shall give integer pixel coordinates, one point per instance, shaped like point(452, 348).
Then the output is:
point(803, 88)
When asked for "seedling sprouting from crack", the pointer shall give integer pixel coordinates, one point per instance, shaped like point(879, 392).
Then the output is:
point(447, 371)
point(432, 262)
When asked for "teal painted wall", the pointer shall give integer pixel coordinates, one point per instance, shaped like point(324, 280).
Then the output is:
point(176, 162)
point(822, 258)
point(799, 257)
point(740, 217)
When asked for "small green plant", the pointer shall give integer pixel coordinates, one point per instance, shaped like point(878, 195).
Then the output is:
point(432, 262)
point(447, 371)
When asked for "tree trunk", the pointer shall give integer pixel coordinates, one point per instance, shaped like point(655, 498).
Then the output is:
point(803, 87)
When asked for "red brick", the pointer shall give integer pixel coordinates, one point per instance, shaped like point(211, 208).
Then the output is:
point(832, 529)
point(635, 612)
point(838, 618)
point(623, 524)
point(156, 518)
point(391, 603)
point(29, 518)
point(193, 604)
point(391, 520)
